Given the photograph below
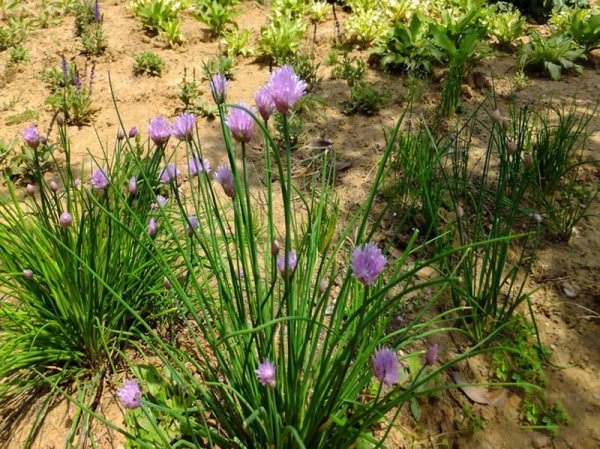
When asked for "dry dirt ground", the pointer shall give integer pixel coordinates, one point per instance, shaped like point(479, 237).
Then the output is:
point(564, 324)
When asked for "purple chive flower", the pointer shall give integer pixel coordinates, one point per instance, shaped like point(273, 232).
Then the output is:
point(31, 136)
point(224, 177)
point(159, 130)
point(160, 202)
point(77, 81)
point(385, 366)
point(99, 179)
point(28, 274)
point(218, 88)
point(183, 128)
point(120, 134)
point(132, 185)
point(65, 69)
point(170, 172)
point(241, 124)
point(130, 395)
point(192, 224)
point(286, 88)
point(133, 132)
point(65, 219)
point(264, 103)
point(198, 165)
point(287, 263)
point(431, 355)
point(152, 227)
point(266, 373)
point(367, 263)
point(76, 182)
point(30, 189)
point(53, 186)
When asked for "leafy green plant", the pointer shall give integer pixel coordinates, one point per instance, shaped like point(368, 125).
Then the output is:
point(237, 43)
point(148, 63)
point(408, 47)
point(583, 25)
point(217, 15)
point(364, 99)
point(538, 414)
point(18, 55)
point(84, 15)
point(306, 68)
point(171, 31)
point(12, 34)
point(350, 69)
point(72, 95)
point(190, 95)
point(367, 23)
point(506, 26)
point(93, 40)
point(281, 38)
point(160, 17)
point(221, 64)
point(551, 55)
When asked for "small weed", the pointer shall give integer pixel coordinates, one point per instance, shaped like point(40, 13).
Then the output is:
point(18, 55)
point(364, 100)
point(148, 63)
point(217, 15)
point(237, 43)
point(221, 64)
point(93, 40)
point(551, 55)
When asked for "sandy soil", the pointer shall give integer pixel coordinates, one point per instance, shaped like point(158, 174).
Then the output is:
point(564, 324)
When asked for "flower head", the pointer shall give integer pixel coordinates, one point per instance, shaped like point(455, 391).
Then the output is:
point(192, 224)
point(130, 395)
point(31, 136)
point(170, 172)
point(367, 263)
point(97, 15)
point(53, 186)
point(241, 124)
point(133, 132)
point(65, 219)
point(266, 374)
point(385, 366)
point(183, 128)
point(287, 263)
point(264, 103)
point(99, 179)
point(198, 165)
point(431, 355)
point(132, 185)
point(120, 134)
point(159, 130)
point(218, 87)
point(160, 202)
point(28, 274)
point(30, 189)
point(224, 177)
point(152, 227)
point(286, 88)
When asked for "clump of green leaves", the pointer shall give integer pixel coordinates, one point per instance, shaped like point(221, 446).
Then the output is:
point(12, 34)
point(350, 69)
point(306, 67)
point(506, 26)
point(221, 64)
point(367, 23)
point(237, 43)
point(408, 48)
point(93, 39)
point(217, 15)
point(281, 38)
point(364, 99)
point(148, 63)
point(84, 15)
point(551, 55)
point(583, 25)
point(190, 95)
point(160, 17)
point(17, 55)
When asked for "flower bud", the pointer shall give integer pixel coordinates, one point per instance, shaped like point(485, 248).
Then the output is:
point(65, 219)
point(53, 186)
point(76, 182)
point(120, 134)
point(528, 160)
point(60, 119)
point(132, 185)
point(28, 274)
point(511, 145)
point(43, 140)
point(496, 115)
point(275, 247)
point(133, 132)
point(505, 124)
point(30, 189)
point(460, 212)
point(431, 355)
point(167, 284)
point(536, 217)
point(323, 285)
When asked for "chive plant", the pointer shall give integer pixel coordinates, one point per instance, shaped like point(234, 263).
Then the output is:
point(67, 251)
point(289, 327)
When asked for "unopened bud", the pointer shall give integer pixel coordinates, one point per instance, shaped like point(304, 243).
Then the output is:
point(60, 119)
point(496, 116)
point(323, 285)
point(431, 355)
point(528, 160)
point(512, 146)
point(167, 284)
point(505, 124)
point(536, 217)
point(133, 132)
point(28, 274)
point(460, 212)
point(65, 219)
point(120, 134)
point(30, 189)
point(275, 247)
point(53, 186)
